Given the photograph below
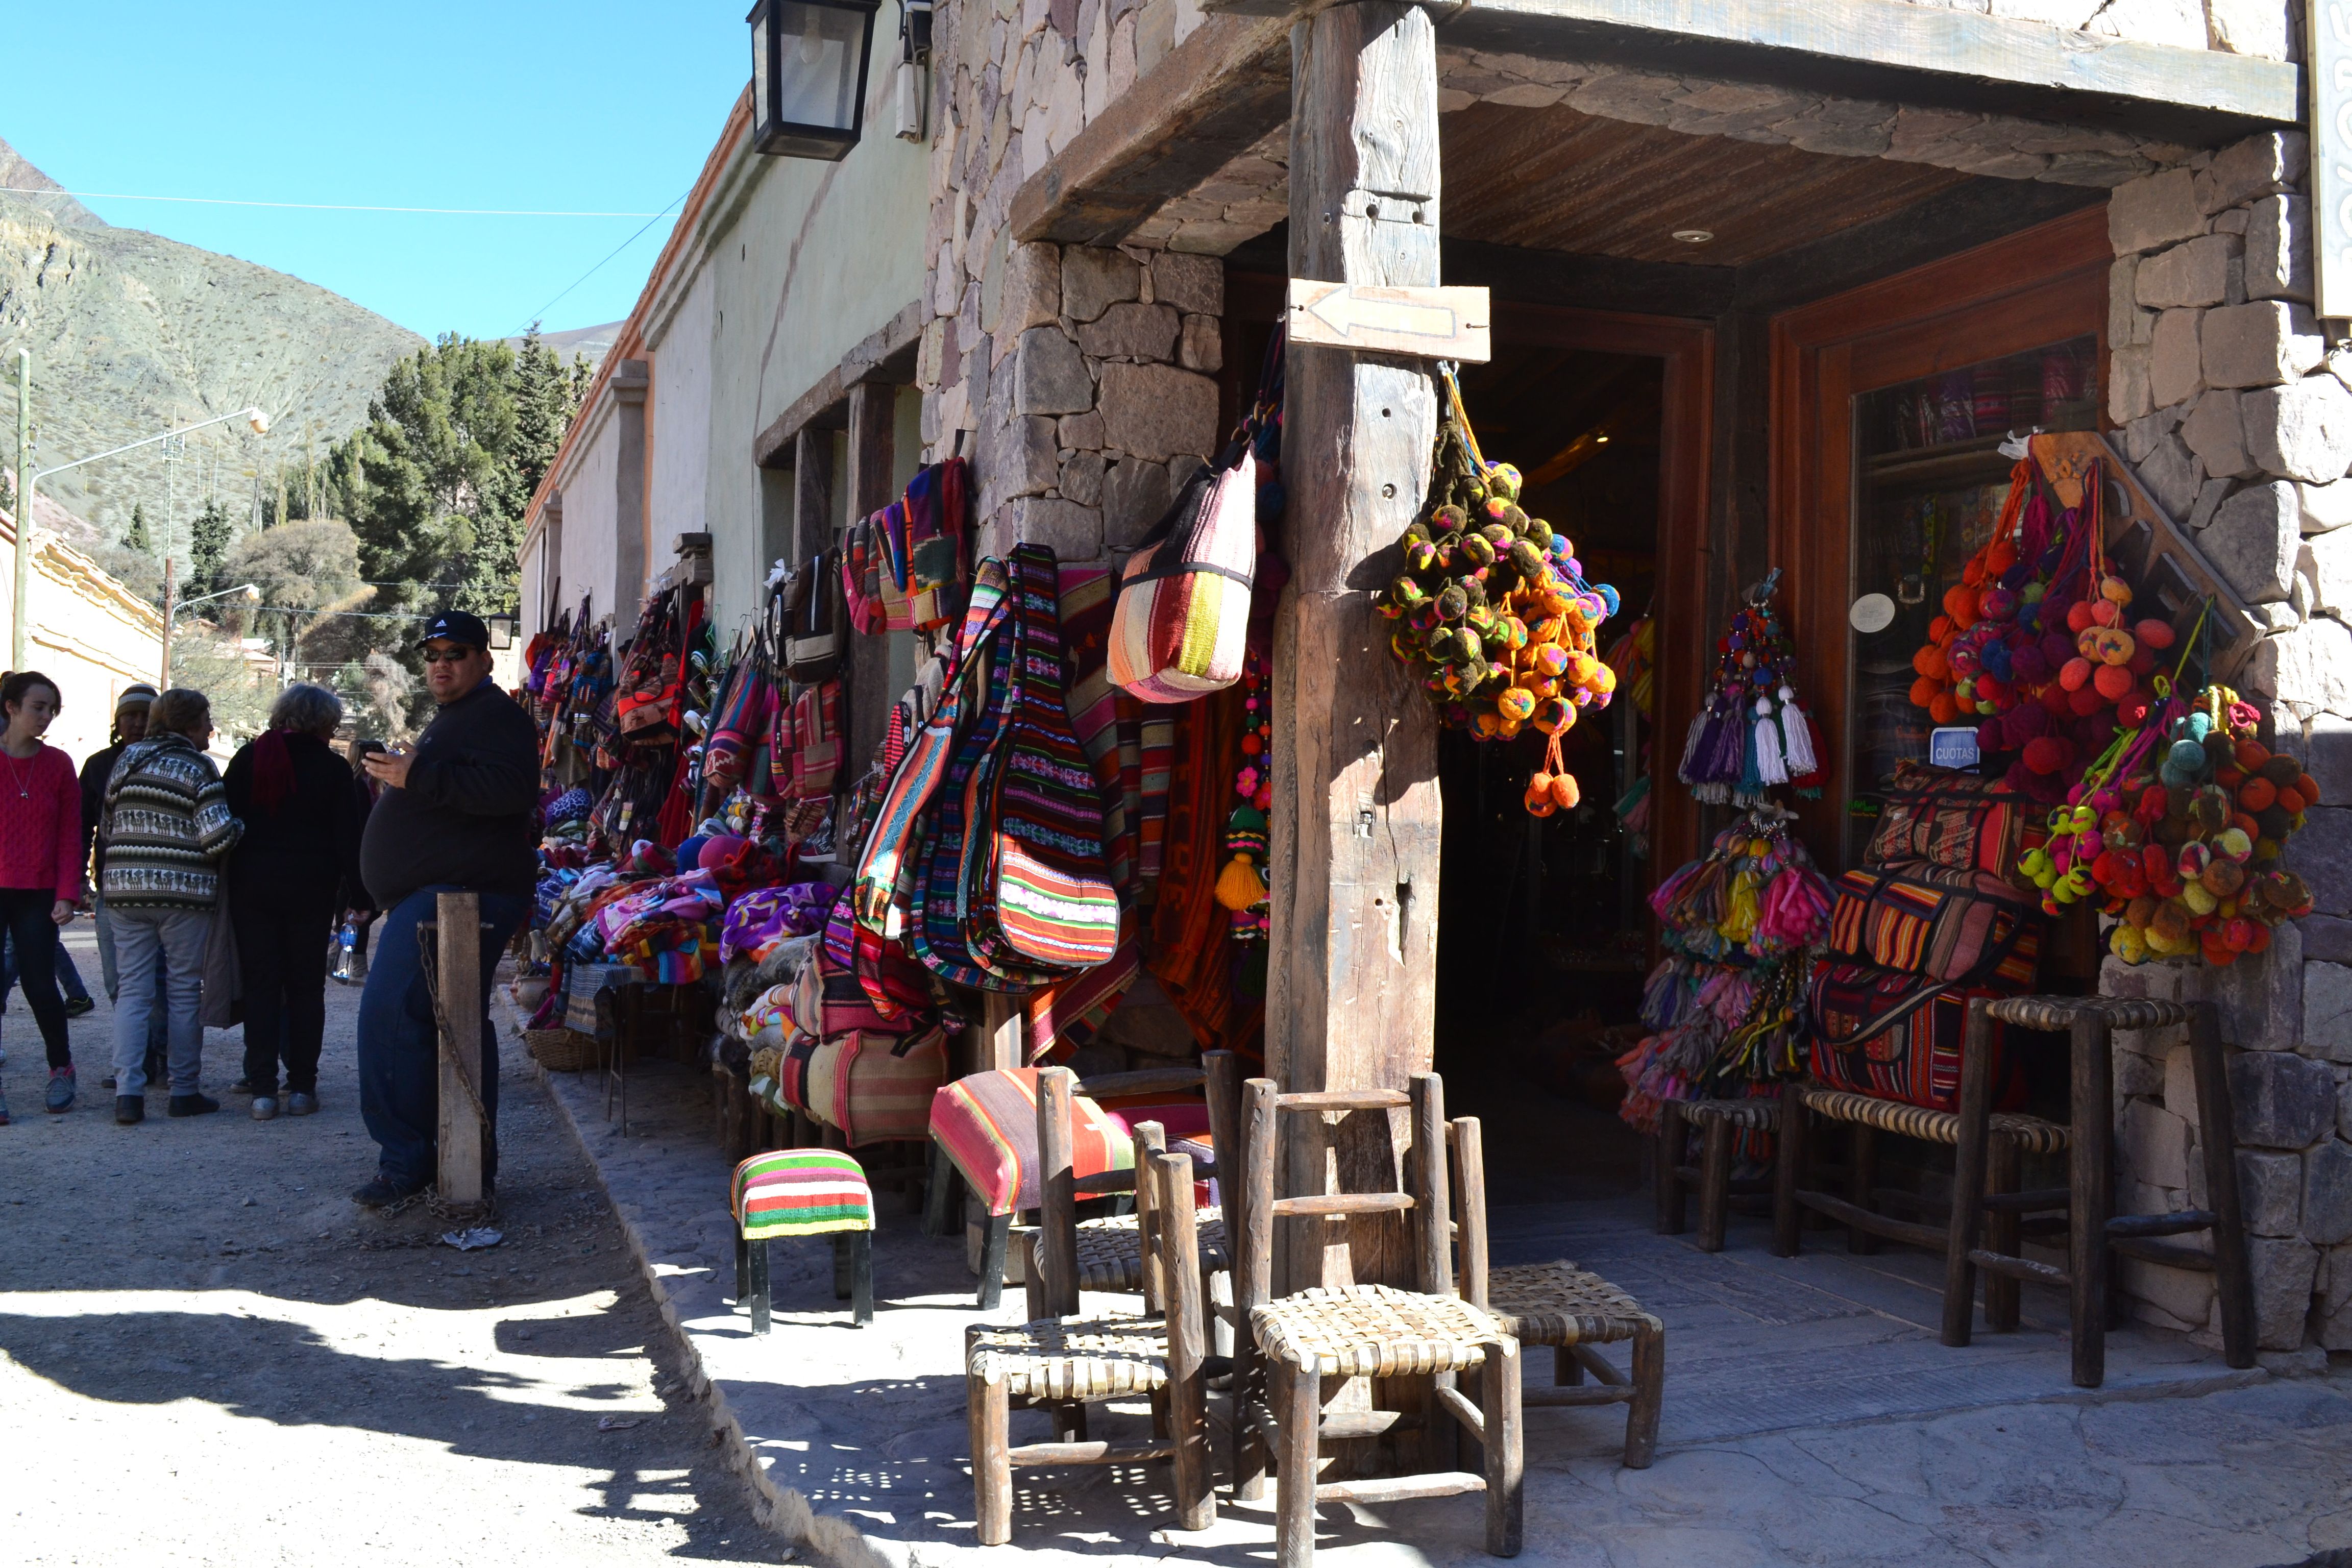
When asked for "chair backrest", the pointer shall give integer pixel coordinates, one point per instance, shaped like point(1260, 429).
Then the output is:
point(1426, 1199)
point(1466, 1144)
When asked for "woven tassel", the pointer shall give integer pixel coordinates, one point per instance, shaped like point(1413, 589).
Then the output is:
point(1771, 766)
point(1239, 885)
point(1698, 746)
point(1797, 733)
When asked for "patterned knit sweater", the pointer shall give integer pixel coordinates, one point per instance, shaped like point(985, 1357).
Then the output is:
point(167, 827)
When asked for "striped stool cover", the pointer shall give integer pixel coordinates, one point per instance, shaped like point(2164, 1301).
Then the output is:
point(987, 1125)
point(801, 1192)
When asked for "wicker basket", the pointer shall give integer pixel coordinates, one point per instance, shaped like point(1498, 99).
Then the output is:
point(562, 1050)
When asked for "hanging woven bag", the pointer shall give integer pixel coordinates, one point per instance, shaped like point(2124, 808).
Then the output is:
point(1180, 628)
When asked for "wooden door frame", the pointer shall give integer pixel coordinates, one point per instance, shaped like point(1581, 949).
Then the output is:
point(2042, 285)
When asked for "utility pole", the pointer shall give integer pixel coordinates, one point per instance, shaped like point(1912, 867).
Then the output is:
point(164, 682)
point(19, 633)
point(173, 449)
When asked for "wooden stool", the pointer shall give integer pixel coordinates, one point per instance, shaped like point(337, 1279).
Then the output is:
point(1567, 1308)
point(2094, 1230)
point(1718, 1120)
point(803, 1191)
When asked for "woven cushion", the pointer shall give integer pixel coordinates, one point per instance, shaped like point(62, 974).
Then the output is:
point(801, 1192)
point(2033, 1134)
point(1101, 1358)
point(1110, 1249)
point(1755, 1113)
point(1374, 1331)
point(1560, 1304)
point(987, 1125)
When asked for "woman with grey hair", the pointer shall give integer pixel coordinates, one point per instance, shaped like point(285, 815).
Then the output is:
point(301, 845)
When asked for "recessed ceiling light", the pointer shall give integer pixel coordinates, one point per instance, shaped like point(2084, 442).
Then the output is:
point(1600, 440)
point(1695, 235)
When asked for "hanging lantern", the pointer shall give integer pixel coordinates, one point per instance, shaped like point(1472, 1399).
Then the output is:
point(809, 61)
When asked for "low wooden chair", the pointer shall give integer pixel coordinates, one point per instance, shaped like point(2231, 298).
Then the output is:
point(1569, 1308)
point(1364, 1331)
point(1070, 1361)
point(1107, 1253)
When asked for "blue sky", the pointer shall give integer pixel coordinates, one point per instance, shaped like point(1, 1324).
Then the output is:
point(497, 104)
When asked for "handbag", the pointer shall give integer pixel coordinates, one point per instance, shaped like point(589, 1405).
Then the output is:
point(1885, 1035)
point(816, 740)
point(1952, 928)
point(645, 711)
point(1180, 628)
point(876, 1088)
point(1954, 819)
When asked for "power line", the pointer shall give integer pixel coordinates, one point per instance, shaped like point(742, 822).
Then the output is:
point(314, 206)
point(541, 314)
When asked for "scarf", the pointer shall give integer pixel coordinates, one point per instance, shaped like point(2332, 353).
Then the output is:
point(273, 771)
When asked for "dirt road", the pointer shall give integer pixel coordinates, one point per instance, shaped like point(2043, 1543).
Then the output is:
point(207, 1354)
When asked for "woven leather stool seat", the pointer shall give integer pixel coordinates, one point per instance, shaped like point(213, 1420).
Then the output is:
point(1374, 1331)
point(1560, 1304)
point(1101, 1358)
point(1757, 1115)
point(2107, 1012)
point(2032, 1134)
point(1111, 1250)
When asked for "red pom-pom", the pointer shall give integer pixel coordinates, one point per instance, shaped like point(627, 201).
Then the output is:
point(2045, 753)
point(2154, 634)
point(2056, 701)
point(2078, 616)
point(2112, 681)
point(2142, 661)
point(2076, 674)
point(2087, 701)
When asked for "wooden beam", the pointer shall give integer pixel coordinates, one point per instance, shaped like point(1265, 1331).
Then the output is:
point(462, 1137)
point(1208, 99)
point(1907, 52)
point(884, 355)
point(1352, 964)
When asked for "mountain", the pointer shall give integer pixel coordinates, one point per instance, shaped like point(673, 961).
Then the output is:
point(590, 342)
point(132, 334)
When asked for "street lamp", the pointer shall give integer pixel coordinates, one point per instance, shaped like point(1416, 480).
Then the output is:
point(20, 640)
point(248, 592)
point(809, 60)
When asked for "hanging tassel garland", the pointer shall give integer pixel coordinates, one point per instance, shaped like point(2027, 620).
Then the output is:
point(1797, 731)
point(1771, 766)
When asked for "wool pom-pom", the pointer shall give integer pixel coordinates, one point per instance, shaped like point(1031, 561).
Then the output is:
point(1239, 885)
point(1942, 710)
point(2112, 681)
point(2027, 667)
point(2084, 703)
point(2075, 673)
point(2078, 618)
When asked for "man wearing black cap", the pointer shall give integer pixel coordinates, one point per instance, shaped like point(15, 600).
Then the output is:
point(457, 813)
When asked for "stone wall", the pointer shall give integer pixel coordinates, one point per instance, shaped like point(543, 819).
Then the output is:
point(2239, 419)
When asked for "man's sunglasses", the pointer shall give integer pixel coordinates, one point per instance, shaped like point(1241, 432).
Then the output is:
point(446, 655)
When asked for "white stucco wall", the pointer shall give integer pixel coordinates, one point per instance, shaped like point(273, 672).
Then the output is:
point(588, 558)
point(678, 423)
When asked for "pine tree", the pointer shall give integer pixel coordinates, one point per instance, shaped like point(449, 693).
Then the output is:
point(135, 536)
point(208, 540)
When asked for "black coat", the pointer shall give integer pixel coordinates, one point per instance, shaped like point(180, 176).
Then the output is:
point(468, 817)
point(313, 835)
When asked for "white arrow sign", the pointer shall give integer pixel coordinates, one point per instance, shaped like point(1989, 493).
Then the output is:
point(1428, 323)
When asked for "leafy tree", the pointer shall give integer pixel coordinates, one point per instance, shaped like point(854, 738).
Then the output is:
point(135, 536)
point(379, 692)
point(208, 542)
point(437, 481)
point(217, 667)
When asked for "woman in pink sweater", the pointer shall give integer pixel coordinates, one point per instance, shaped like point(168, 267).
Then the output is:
point(40, 860)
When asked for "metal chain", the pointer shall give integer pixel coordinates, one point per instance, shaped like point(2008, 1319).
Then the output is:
point(429, 963)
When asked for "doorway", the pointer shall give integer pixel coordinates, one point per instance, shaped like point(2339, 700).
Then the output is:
point(1543, 936)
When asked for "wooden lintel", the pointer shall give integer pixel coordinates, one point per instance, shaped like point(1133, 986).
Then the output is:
point(887, 355)
point(1907, 52)
point(1210, 97)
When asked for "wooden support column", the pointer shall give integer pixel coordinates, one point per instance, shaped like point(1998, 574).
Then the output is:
point(813, 510)
point(1352, 966)
point(866, 708)
point(458, 952)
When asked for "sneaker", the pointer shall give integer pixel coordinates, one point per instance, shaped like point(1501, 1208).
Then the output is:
point(300, 1104)
point(194, 1104)
point(60, 1097)
point(78, 1005)
point(265, 1107)
point(129, 1110)
point(106, 1082)
point(383, 1192)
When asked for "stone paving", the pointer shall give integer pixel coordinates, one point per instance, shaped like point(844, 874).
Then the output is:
point(1811, 1416)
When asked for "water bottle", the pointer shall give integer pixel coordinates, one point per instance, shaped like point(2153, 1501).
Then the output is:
point(350, 967)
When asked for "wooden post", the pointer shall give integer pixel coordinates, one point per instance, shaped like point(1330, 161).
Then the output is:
point(2092, 1175)
point(462, 1134)
point(1057, 1212)
point(1169, 1179)
point(812, 509)
point(1352, 965)
point(1969, 1159)
point(2234, 1302)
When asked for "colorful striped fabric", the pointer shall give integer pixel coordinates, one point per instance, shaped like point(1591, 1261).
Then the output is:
point(875, 1088)
point(1054, 905)
point(1095, 711)
point(987, 1125)
point(1065, 1016)
point(801, 1192)
point(1156, 736)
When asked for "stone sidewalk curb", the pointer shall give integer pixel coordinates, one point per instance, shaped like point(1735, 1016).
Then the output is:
point(785, 1509)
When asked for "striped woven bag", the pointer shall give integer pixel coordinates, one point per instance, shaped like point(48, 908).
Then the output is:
point(1182, 618)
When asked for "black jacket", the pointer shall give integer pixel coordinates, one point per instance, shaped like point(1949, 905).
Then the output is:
point(312, 838)
point(469, 815)
point(95, 771)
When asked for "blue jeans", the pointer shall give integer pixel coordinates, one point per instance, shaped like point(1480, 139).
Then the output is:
point(159, 957)
point(400, 1050)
